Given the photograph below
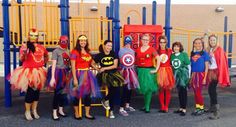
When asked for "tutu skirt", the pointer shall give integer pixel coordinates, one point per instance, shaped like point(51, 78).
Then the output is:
point(147, 81)
point(165, 78)
point(88, 85)
point(61, 76)
point(212, 75)
point(130, 77)
point(110, 78)
point(196, 79)
point(23, 77)
point(181, 77)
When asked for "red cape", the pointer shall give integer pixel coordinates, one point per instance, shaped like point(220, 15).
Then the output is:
point(223, 68)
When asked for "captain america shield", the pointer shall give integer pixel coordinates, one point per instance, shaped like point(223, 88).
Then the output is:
point(127, 59)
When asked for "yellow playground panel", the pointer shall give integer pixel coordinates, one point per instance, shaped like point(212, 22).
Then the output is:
point(96, 29)
point(42, 16)
point(186, 37)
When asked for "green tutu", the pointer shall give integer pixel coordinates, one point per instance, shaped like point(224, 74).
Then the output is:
point(181, 77)
point(147, 81)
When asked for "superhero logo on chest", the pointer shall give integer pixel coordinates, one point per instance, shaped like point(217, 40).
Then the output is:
point(176, 63)
point(66, 58)
point(127, 59)
point(86, 58)
point(107, 61)
point(164, 58)
point(38, 55)
point(196, 57)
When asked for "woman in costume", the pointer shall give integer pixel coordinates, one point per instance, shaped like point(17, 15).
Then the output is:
point(147, 71)
point(218, 73)
point(84, 81)
point(109, 75)
point(127, 59)
point(181, 66)
point(199, 69)
point(31, 76)
point(57, 77)
point(165, 76)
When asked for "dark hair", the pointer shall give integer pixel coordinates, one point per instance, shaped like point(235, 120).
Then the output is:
point(78, 47)
point(181, 49)
point(201, 53)
point(30, 46)
point(101, 45)
point(159, 39)
point(212, 35)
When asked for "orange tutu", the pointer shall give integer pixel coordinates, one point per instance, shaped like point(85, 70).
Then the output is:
point(23, 77)
point(165, 78)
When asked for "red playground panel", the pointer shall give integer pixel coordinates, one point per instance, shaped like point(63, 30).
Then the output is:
point(136, 32)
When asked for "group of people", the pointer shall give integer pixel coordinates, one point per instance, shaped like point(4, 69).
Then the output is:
point(147, 70)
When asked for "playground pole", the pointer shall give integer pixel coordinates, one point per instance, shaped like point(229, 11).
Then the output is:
point(144, 16)
point(230, 48)
point(167, 22)
point(225, 30)
point(154, 13)
point(6, 43)
point(128, 20)
point(111, 15)
point(108, 24)
point(116, 20)
point(64, 9)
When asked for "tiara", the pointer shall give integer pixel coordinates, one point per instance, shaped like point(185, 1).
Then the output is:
point(83, 38)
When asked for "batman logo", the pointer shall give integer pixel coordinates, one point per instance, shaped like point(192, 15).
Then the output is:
point(107, 61)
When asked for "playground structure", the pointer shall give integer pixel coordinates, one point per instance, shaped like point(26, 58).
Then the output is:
point(54, 20)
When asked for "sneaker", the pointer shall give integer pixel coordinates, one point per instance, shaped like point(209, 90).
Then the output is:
point(112, 116)
point(123, 113)
point(198, 112)
point(130, 109)
point(105, 104)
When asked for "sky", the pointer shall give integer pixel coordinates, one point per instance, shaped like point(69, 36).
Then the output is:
point(221, 2)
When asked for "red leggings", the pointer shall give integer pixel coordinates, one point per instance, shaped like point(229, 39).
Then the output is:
point(164, 98)
point(198, 95)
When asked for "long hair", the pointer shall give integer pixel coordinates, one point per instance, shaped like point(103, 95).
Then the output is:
point(202, 51)
point(159, 39)
point(101, 50)
point(78, 47)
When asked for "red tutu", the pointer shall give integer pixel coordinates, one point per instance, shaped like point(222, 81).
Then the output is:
point(165, 78)
point(22, 77)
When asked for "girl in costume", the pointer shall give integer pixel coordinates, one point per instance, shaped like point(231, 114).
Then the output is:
point(199, 68)
point(84, 81)
point(127, 59)
point(57, 77)
point(165, 76)
point(181, 66)
point(218, 73)
point(109, 75)
point(146, 71)
point(31, 76)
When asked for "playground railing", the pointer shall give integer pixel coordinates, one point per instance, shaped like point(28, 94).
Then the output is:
point(186, 37)
point(97, 30)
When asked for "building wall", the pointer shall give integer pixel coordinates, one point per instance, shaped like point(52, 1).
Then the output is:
point(199, 17)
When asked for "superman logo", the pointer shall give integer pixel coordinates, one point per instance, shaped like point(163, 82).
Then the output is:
point(196, 57)
point(107, 61)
